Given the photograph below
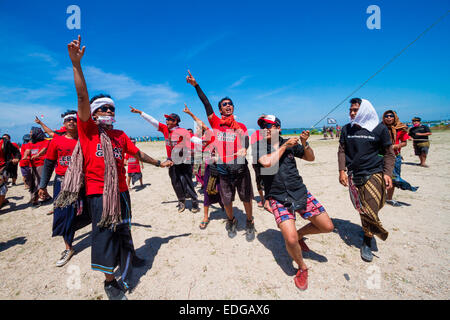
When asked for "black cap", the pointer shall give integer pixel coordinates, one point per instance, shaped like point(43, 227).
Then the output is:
point(173, 116)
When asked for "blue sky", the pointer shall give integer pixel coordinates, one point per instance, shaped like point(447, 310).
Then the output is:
point(294, 59)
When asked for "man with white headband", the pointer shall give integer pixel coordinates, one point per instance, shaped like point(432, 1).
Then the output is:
point(58, 157)
point(99, 160)
point(366, 153)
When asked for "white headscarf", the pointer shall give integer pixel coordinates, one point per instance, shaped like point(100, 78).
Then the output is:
point(97, 103)
point(366, 117)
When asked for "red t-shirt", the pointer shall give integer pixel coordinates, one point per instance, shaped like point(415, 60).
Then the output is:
point(178, 138)
point(61, 149)
point(94, 162)
point(2, 155)
point(24, 163)
point(228, 141)
point(402, 136)
point(35, 149)
point(133, 164)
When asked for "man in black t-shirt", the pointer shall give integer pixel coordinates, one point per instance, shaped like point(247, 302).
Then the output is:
point(419, 133)
point(365, 151)
point(285, 191)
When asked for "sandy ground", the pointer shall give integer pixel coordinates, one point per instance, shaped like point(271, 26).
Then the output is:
point(184, 262)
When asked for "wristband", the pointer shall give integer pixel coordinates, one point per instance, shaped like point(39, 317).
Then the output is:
point(158, 163)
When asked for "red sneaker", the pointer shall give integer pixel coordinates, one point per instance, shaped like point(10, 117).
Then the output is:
point(303, 245)
point(301, 279)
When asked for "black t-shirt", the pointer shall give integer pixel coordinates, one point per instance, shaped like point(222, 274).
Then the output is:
point(420, 129)
point(364, 150)
point(282, 182)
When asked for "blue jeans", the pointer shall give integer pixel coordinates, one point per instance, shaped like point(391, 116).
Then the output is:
point(397, 180)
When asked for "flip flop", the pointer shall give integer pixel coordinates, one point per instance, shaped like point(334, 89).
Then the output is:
point(203, 224)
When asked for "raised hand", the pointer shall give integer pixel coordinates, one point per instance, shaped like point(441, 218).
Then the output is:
point(37, 120)
point(191, 80)
point(134, 110)
point(75, 53)
point(186, 109)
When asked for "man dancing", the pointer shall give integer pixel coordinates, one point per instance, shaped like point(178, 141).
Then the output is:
point(368, 174)
point(286, 193)
point(178, 148)
point(98, 158)
point(232, 142)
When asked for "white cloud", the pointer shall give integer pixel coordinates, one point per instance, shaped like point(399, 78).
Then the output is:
point(239, 82)
point(121, 86)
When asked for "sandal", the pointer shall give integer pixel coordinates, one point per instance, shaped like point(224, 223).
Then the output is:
point(203, 224)
point(260, 205)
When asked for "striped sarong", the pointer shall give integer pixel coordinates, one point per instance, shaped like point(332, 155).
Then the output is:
point(368, 200)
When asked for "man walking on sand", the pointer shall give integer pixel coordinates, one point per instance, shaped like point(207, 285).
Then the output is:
point(365, 151)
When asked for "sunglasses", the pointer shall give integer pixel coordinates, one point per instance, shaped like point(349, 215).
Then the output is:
point(106, 107)
point(389, 116)
point(227, 104)
point(267, 125)
point(170, 119)
point(70, 119)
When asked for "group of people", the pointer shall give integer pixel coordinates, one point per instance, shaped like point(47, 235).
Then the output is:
point(89, 156)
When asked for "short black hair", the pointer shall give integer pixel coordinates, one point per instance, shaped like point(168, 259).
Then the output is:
point(5, 134)
point(68, 112)
point(356, 100)
point(98, 96)
point(223, 99)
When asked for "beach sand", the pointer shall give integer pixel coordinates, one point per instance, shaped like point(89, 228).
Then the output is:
point(184, 262)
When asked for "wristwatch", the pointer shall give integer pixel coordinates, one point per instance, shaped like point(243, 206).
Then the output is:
point(306, 145)
point(158, 163)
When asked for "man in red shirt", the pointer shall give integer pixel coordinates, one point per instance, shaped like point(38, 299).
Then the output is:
point(232, 142)
point(179, 151)
point(102, 163)
point(134, 168)
point(25, 164)
point(13, 169)
point(399, 136)
point(9, 156)
point(36, 154)
point(58, 158)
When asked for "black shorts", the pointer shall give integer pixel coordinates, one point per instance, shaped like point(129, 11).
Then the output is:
point(111, 248)
point(242, 183)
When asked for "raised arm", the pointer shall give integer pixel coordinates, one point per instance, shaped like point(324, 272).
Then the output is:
point(44, 127)
point(75, 54)
point(269, 160)
point(199, 122)
point(308, 151)
point(209, 110)
point(146, 117)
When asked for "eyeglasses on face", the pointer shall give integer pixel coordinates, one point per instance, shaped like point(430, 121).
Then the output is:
point(71, 119)
point(227, 103)
point(107, 107)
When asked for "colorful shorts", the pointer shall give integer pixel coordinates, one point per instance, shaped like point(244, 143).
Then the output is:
point(313, 208)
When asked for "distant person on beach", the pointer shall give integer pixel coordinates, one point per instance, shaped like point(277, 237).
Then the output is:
point(324, 130)
point(24, 165)
point(9, 156)
point(330, 131)
point(368, 174)
point(58, 157)
point(179, 150)
point(98, 160)
point(134, 166)
point(211, 183)
point(36, 154)
point(399, 137)
point(420, 133)
point(232, 142)
point(338, 131)
point(13, 168)
point(286, 192)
